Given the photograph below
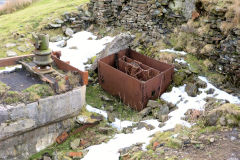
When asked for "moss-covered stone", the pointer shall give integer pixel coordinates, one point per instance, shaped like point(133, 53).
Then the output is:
point(179, 77)
point(228, 114)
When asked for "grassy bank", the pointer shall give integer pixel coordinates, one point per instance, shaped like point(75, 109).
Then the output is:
point(13, 5)
point(31, 19)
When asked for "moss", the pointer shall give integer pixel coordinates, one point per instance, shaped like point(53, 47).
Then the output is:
point(90, 134)
point(12, 97)
point(73, 79)
point(137, 155)
point(3, 88)
point(165, 57)
point(41, 90)
point(31, 94)
point(167, 139)
point(123, 112)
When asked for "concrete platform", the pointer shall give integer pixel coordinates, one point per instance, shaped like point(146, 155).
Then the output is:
point(28, 128)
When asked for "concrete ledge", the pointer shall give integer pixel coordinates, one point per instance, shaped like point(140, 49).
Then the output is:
point(22, 146)
point(15, 120)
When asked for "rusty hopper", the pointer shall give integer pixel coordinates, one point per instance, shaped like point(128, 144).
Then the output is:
point(133, 77)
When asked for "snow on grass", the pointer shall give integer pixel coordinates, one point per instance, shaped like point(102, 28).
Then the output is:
point(173, 51)
point(10, 69)
point(86, 48)
point(82, 46)
point(181, 61)
point(178, 96)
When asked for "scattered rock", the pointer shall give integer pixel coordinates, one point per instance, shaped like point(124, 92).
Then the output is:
point(110, 108)
point(211, 140)
point(105, 98)
point(10, 45)
point(201, 84)
point(210, 91)
point(66, 158)
point(75, 143)
point(62, 44)
point(163, 118)
point(193, 114)
point(153, 104)
point(83, 119)
point(110, 118)
point(69, 32)
point(54, 26)
point(73, 47)
point(145, 111)
point(164, 110)
point(56, 38)
point(191, 89)
point(127, 130)
point(156, 145)
point(141, 125)
point(11, 54)
point(59, 21)
point(22, 48)
point(46, 158)
point(226, 114)
point(104, 130)
point(161, 125)
point(75, 154)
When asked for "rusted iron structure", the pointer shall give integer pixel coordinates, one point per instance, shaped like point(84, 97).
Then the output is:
point(133, 77)
point(4, 62)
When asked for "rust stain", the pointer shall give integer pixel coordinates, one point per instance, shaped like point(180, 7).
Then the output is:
point(63, 137)
point(133, 77)
point(65, 66)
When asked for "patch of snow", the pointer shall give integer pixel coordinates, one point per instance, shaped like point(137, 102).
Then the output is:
point(181, 61)
point(95, 110)
point(178, 96)
point(82, 46)
point(121, 124)
point(109, 150)
point(118, 124)
point(10, 69)
point(173, 51)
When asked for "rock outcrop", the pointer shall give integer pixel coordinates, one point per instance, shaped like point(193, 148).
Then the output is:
point(119, 43)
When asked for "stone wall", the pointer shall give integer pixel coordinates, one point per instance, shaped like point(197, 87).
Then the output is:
point(201, 23)
point(29, 128)
point(142, 15)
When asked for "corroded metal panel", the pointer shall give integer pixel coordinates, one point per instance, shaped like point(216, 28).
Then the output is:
point(133, 77)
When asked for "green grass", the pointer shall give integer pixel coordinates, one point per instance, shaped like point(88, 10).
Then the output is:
point(32, 19)
point(121, 111)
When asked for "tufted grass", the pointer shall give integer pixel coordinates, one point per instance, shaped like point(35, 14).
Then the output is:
point(32, 19)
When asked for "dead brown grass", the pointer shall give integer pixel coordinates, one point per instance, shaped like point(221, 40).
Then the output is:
point(232, 17)
point(14, 5)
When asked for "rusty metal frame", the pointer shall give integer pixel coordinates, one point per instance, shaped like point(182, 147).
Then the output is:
point(4, 62)
point(134, 91)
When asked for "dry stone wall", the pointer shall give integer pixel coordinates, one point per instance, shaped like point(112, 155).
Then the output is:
point(142, 15)
point(202, 23)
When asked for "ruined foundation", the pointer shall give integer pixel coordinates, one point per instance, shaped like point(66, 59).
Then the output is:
point(28, 128)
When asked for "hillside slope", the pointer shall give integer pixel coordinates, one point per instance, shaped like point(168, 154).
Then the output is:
point(17, 27)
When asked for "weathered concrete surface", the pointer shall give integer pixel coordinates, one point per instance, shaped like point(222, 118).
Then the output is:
point(24, 145)
point(28, 128)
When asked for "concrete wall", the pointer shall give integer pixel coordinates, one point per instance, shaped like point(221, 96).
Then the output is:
point(29, 128)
